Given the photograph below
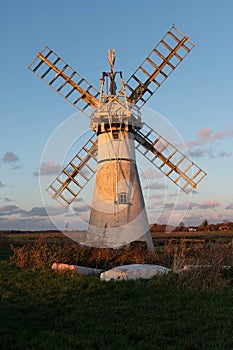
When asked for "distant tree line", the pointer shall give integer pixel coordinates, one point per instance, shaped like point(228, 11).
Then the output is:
point(204, 226)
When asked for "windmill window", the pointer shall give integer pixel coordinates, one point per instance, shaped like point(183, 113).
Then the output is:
point(123, 198)
point(115, 135)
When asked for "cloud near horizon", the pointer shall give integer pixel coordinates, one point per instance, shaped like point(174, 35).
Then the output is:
point(10, 209)
point(155, 186)
point(16, 167)
point(211, 154)
point(6, 199)
point(2, 185)
point(48, 168)
point(150, 173)
point(26, 224)
point(206, 135)
point(211, 204)
point(229, 206)
point(37, 218)
point(80, 209)
point(14, 218)
point(10, 157)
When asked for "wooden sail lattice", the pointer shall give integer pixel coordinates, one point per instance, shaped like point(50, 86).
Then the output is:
point(74, 177)
point(144, 82)
point(56, 73)
point(167, 158)
point(157, 66)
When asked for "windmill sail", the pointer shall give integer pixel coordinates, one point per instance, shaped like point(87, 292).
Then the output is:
point(167, 158)
point(55, 72)
point(74, 177)
point(118, 214)
point(157, 66)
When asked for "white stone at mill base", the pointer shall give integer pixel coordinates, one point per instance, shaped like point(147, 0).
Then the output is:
point(133, 272)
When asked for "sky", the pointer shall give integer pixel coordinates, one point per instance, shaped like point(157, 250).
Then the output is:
point(195, 103)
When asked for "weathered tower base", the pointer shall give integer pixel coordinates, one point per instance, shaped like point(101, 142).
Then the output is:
point(118, 214)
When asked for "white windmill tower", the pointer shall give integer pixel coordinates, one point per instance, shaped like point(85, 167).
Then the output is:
point(118, 213)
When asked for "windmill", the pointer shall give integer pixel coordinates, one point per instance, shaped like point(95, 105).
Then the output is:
point(118, 213)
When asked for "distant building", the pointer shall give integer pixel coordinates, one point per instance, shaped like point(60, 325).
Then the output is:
point(224, 227)
point(192, 229)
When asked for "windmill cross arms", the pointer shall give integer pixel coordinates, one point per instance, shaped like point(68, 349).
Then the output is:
point(157, 66)
point(167, 158)
point(74, 177)
point(66, 81)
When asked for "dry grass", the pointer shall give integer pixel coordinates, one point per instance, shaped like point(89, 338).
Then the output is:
point(205, 261)
point(42, 253)
point(201, 267)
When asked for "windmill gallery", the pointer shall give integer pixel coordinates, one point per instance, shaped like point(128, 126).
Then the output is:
point(118, 214)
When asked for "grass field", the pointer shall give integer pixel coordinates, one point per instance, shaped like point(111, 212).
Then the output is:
point(41, 309)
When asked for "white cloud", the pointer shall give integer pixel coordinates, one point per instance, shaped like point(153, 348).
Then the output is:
point(10, 157)
point(155, 196)
point(26, 224)
point(195, 192)
point(9, 210)
point(155, 186)
point(208, 152)
point(224, 154)
point(198, 153)
point(1, 185)
point(48, 168)
point(15, 167)
point(42, 211)
point(6, 199)
point(211, 204)
point(229, 206)
point(150, 173)
point(206, 135)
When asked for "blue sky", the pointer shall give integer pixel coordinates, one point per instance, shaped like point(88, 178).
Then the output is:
point(196, 99)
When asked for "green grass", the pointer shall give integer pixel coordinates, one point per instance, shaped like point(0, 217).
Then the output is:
point(42, 309)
